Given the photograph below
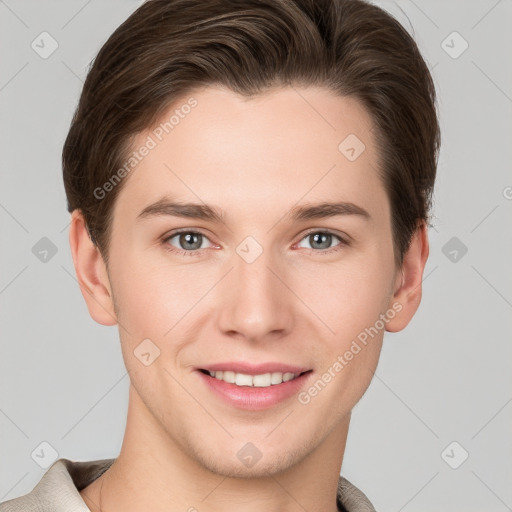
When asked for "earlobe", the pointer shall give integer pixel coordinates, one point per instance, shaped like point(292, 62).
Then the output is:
point(91, 272)
point(408, 283)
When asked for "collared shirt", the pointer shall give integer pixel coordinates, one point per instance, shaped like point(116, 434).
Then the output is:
point(58, 490)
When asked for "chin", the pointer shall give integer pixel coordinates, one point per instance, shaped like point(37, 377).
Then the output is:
point(250, 461)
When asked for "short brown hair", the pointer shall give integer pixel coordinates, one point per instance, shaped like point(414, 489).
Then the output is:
point(167, 48)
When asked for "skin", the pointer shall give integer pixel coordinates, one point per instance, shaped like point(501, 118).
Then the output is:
point(255, 159)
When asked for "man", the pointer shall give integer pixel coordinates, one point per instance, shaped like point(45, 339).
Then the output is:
point(249, 185)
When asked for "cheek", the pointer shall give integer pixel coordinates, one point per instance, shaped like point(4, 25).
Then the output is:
point(149, 303)
point(345, 297)
point(160, 302)
point(351, 305)
point(350, 300)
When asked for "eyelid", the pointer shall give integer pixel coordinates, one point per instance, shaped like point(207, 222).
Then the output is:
point(345, 240)
point(342, 236)
point(176, 232)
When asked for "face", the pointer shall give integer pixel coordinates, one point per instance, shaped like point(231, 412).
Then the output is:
point(262, 283)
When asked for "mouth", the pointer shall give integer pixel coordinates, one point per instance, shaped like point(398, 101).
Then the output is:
point(260, 388)
point(262, 380)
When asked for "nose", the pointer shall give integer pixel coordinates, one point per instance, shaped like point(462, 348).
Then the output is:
point(254, 299)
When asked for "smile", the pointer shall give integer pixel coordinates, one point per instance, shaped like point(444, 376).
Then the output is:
point(263, 380)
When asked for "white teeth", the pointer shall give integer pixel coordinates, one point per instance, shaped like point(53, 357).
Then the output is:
point(276, 378)
point(241, 379)
point(228, 376)
point(264, 380)
point(288, 376)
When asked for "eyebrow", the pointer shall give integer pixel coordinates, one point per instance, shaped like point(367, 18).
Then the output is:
point(210, 213)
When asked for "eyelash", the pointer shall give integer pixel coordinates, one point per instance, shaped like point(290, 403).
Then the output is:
point(197, 252)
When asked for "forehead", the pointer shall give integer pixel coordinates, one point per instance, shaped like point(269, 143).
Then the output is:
point(217, 147)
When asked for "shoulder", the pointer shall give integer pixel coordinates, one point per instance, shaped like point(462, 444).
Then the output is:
point(350, 499)
point(58, 489)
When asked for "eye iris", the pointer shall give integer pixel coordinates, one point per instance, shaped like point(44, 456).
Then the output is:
point(190, 238)
point(186, 239)
point(323, 238)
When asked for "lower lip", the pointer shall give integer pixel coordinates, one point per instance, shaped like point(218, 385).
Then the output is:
point(254, 398)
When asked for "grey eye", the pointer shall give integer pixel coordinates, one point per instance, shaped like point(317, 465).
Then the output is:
point(321, 239)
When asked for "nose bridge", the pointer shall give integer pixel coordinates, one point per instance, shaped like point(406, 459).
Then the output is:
point(254, 301)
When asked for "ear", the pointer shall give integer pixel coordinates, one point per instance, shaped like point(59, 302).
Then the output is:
point(408, 281)
point(91, 272)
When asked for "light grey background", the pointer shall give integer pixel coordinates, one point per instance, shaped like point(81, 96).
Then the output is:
point(447, 377)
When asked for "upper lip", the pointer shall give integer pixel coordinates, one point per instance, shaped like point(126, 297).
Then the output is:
point(254, 369)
